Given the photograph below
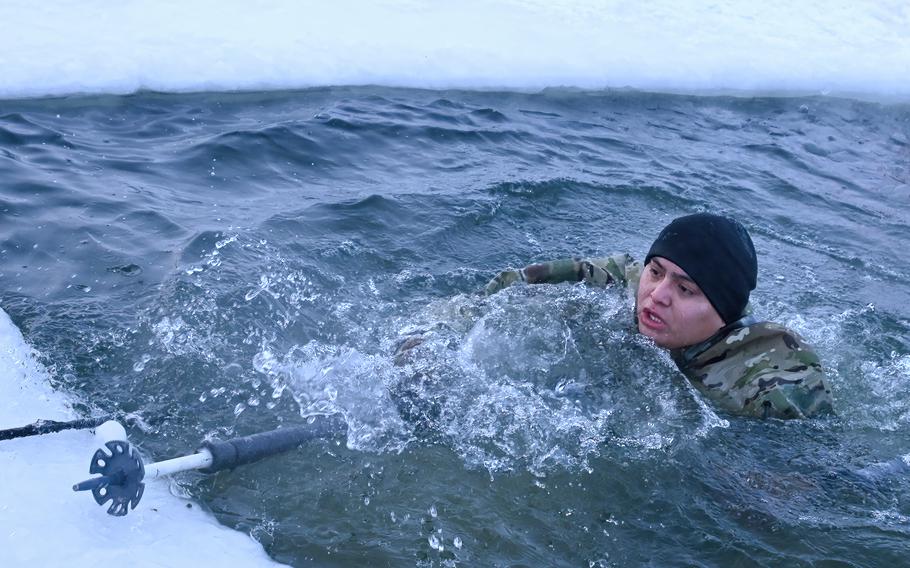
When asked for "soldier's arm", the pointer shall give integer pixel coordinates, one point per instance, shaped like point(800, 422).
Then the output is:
point(597, 272)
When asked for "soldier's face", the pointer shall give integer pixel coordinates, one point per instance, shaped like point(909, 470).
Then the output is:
point(671, 308)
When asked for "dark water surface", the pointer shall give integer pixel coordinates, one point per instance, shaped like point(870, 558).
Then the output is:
point(228, 263)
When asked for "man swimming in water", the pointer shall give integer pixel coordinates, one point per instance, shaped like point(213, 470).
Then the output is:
point(692, 299)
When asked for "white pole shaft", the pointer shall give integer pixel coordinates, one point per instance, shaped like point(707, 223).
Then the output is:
point(112, 430)
point(168, 467)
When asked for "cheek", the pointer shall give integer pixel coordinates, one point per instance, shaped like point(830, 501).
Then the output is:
point(702, 318)
point(643, 291)
point(709, 314)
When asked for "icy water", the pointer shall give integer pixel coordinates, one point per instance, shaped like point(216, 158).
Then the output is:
point(222, 264)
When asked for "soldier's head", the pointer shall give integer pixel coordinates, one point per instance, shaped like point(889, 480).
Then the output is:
point(697, 278)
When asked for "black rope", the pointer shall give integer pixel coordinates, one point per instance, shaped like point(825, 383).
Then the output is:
point(50, 426)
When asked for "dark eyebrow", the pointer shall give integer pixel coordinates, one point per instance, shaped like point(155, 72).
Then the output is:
point(676, 277)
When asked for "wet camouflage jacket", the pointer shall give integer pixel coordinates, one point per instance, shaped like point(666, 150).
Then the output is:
point(754, 368)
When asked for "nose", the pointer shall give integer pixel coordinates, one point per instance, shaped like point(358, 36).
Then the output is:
point(661, 292)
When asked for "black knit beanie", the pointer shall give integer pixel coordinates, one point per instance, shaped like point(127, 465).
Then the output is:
point(717, 253)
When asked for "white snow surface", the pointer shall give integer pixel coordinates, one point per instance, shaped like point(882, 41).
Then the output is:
point(775, 46)
point(43, 522)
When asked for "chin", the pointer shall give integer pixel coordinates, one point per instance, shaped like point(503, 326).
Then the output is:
point(651, 335)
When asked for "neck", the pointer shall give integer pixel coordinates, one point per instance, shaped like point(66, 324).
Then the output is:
point(685, 355)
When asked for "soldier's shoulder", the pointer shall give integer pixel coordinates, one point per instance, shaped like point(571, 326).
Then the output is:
point(765, 342)
point(765, 364)
point(765, 336)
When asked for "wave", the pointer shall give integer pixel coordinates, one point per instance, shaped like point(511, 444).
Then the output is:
point(89, 46)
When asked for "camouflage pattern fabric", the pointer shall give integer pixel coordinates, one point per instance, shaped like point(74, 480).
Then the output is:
point(619, 268)
point(763, 370)
point(753, 368)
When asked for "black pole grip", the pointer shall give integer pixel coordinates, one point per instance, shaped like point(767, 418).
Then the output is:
point(229, 454)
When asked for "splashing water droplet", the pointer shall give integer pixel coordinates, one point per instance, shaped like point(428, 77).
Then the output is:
point(140, 365)
point(223, 243)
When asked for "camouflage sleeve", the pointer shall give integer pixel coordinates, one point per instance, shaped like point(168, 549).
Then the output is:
point(595, 271)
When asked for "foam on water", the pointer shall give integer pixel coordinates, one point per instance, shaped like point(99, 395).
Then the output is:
point(44, 523)
point(503, 395)
point(98, 47)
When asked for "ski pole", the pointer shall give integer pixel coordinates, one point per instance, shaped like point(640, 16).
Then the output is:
point(123, 473)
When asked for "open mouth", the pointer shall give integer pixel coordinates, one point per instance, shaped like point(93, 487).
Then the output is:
point(651, 320)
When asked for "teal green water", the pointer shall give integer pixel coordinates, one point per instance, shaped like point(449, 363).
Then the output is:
point(225, 264)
